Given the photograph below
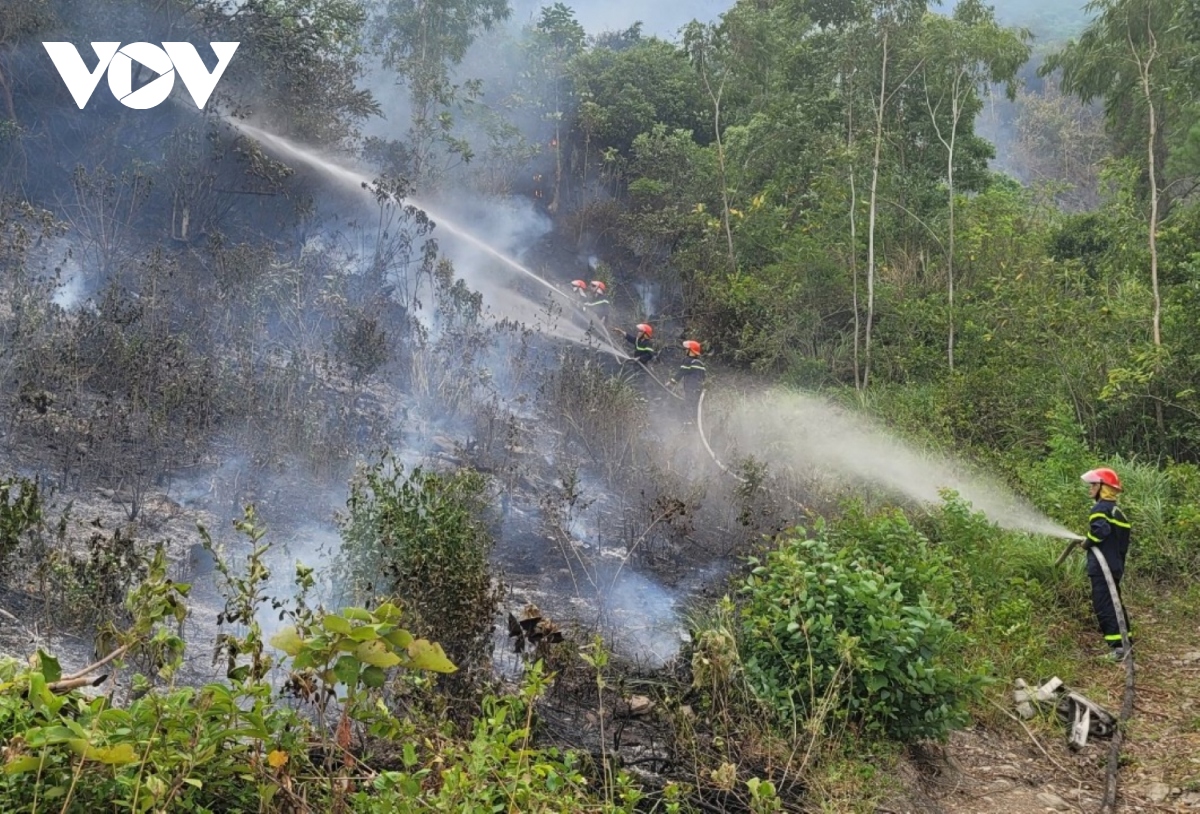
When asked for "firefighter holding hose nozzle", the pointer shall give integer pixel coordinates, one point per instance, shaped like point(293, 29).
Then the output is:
point(1108, 534)
point(643, 351)
point(691, 374)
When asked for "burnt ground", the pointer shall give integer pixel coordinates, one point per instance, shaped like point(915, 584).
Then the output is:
point(568, 561)
point(620, 542)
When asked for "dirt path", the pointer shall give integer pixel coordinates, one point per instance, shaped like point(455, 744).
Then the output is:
point(1002, 769)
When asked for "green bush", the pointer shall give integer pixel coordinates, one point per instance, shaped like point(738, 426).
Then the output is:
point(1008, 597)
point(21, 514)
point(826, 618)
point(420, 538)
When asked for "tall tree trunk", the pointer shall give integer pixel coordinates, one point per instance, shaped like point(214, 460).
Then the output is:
point(1151, 164)
point(853, 225)
point(950, 253)
point(553, 207)
point(858, 384)
point(716, 100)
point(871, 217)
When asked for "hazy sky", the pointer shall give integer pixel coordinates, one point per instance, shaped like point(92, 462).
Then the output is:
point(661, 17)
point(665, 17)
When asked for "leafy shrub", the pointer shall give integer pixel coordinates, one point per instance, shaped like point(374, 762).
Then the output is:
point(821, 617)
point(421, 539)
point(21, 514)
point(1009, 598)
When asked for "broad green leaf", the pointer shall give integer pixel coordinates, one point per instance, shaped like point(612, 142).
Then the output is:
point(373, 677)
point(387, 612)
point(365, 633)
point(288, 640)
point(29, 763)
point(399, 638)
point(376, 654)
point(117, 755)
point(426, 655)
point(48, 666)
point(45, 736)
point(346, 670)
point(336, 624)
point(357, 614)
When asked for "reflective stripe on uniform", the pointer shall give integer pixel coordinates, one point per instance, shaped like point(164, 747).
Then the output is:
point(1110, 518)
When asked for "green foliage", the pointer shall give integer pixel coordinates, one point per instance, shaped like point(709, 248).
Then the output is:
point(497, 769)
point(21, 513)
point(241, 746)
point(822, 617)
point(421, 538)
point(1009, 599)
point(646, 84)
point(87, 587)
point(220, 747)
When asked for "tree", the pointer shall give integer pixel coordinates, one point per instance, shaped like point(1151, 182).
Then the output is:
point(297, 68)
point(703, 44)
point(556, 39)
point(18, 22)
point(1133, 56)
point(888, 24)
point(645, 83)
point(1059, 145)
point(422, 40)
point(961, 54)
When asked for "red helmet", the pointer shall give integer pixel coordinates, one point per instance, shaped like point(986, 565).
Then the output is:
point(598, 286)
point(580, 284)
point(644, 328)
point(692, 346)
point(1103, 475)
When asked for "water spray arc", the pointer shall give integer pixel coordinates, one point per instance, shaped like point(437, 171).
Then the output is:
point(359, 181)
point(790, 430)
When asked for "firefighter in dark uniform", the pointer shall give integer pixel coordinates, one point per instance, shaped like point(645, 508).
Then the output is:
point(1108, 533)
point(643, 351)
point(691, 374)
point(599, 305)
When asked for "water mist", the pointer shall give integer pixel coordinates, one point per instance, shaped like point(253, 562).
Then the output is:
point(815, 438)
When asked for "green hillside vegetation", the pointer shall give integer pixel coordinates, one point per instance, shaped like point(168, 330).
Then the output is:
point(801, 187)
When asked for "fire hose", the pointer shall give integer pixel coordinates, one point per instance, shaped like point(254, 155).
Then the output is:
point(713, 455)
point(1109, 803)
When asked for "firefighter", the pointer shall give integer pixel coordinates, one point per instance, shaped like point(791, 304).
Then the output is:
point(691, 374)
point(599, 305)
point(1108, 534)
point(581, 290)
point(643, 351)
